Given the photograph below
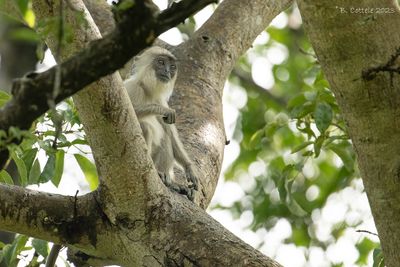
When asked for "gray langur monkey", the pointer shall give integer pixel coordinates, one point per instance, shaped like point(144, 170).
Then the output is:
point(149, 89)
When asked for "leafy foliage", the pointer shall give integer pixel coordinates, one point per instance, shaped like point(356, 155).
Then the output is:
point(10, 252)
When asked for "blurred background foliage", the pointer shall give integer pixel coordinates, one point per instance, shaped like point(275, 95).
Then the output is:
point(294, 161)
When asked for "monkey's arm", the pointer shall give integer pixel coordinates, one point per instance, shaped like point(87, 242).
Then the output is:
point(181, 156)
point(167, 114)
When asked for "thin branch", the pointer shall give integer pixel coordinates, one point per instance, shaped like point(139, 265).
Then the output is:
point(367, 232)
point(53, 255)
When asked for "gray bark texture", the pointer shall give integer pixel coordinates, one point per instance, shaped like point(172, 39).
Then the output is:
point(132, 219)
point(359, 52)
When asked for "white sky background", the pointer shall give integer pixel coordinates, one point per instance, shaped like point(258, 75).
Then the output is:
point(350, 204)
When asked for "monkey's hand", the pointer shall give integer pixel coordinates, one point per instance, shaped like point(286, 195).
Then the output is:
point(191, 177)
point(169, 116)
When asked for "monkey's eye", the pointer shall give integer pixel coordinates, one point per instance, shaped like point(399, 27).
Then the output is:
point(161, 62)
point(173, 67)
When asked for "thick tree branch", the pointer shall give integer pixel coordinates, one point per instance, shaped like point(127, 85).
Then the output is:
point(187, 228)
point(57, 218)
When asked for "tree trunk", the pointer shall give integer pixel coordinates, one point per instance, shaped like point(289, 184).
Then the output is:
point(359, 53)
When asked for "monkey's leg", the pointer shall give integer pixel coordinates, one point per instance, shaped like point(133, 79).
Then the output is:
point(181, 189)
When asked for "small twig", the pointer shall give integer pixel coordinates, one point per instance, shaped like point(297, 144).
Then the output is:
point(76, 204)
point(367, 232)
point(307, 53)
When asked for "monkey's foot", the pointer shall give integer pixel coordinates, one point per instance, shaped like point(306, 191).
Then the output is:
point(180, 189)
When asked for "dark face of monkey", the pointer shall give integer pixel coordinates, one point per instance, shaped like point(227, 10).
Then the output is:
point(165, 67)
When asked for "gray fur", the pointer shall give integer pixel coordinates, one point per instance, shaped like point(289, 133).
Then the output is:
point(149, 90)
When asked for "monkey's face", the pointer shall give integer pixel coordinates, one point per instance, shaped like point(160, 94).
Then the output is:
point(164, 67)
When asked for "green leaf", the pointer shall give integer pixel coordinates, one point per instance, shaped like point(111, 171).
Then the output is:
point(307, 154)
point(318, 144)
point(41, 247)
point(301, 146)
point(79, 142)
point(40, 50)
point(22, 5)
point(298, 100)
point(364, 248)
point(28, 157)
point(89, 170)
point(378, 258)
point(59, 168)
point(34, 173)
point(29, 18)
point(344, 155)
point(270, 129)
point(20, 243)
point(124, 5)
point(23, 174)
point(49, 169)
point(326, 96)
point(46, 145)
point(299, 112)
point(7, 254)
point(305, 127)
point(295, 208)
point(28, 141)
point(255, 139)
point(320, 80)
point(25, 35)
point(5, 177)
point(4, 97)
point(11, 251)
point(323, 116)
